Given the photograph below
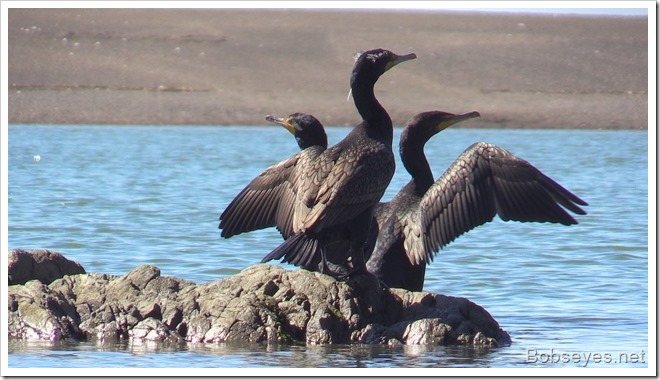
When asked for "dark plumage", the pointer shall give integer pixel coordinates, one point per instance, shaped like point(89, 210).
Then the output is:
point(269, 199)
point(483, 182)
point(346, 182)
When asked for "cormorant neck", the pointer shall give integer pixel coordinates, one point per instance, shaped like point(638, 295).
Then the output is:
point(415, 162)
point(304, 143)
point(369, 107)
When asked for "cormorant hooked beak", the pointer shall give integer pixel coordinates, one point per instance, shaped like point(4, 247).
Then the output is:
point(399, 59)
point(284, 122)
point(457, 119)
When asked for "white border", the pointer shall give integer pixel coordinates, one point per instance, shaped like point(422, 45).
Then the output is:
point(652, 188)
point(394, 5)
point(516, 6)
point(4, 177)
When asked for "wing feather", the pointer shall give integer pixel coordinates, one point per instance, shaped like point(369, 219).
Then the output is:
point(348, 185)
point(271, 198)
point(483, 182)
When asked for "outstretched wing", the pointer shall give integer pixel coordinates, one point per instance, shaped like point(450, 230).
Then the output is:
point(256, 206)
point(301, 181)
point(483, 182)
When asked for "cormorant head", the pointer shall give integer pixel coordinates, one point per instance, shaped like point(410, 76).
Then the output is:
point(371, 64)
point(424, 125)
point(418, 131)
point(307, 130)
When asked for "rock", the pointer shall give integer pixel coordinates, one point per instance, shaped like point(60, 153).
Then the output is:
point(39, 264)
point(263, 303)
point(44, 314)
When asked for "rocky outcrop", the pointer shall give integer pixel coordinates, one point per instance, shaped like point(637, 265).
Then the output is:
point(40, 264)
point(263, 303)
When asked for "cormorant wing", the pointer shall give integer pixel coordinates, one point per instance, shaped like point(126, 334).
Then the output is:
point(483, 182)
point(301, 183)
point(346, 183)
point(256, 206)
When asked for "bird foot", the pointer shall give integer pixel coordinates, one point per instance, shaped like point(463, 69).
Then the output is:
point(337, 272)
point(362, 270)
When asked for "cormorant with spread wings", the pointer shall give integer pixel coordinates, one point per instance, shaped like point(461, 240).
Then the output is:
point(426, 215)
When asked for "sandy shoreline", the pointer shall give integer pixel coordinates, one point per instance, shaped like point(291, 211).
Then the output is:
point(232, 67)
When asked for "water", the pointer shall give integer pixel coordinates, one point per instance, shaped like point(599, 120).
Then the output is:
point(114, 197)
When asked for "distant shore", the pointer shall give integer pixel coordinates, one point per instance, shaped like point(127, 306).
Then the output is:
point(233, 67)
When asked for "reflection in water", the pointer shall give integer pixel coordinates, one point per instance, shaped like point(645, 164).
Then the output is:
point(260, 355)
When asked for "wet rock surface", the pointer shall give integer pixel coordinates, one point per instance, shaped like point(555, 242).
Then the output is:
point(262, 304)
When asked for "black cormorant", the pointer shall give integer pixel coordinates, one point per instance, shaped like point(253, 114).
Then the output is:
point(483, 182)
point(347, 181)
point(268, 200)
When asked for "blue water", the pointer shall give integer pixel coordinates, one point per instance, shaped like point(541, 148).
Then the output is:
point(115, 197)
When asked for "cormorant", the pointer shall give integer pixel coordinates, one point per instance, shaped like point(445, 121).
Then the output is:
point(269, 199)
point(347, 181)
point(484, 181)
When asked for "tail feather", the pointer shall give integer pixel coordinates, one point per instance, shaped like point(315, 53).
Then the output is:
point(300, 250)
